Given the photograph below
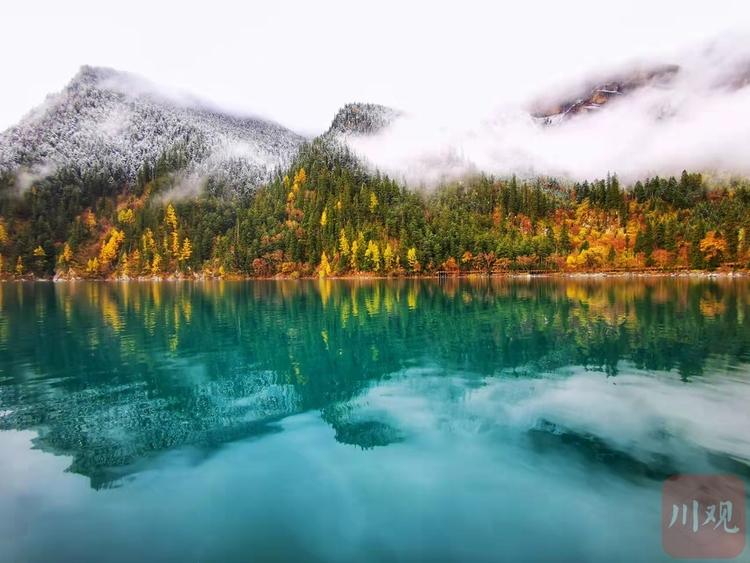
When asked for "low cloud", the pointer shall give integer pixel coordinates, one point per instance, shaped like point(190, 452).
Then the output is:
point(28, 177)
point(697, 119)
point(184, 186)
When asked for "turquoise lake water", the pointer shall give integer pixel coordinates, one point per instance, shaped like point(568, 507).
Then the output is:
point(473, 420)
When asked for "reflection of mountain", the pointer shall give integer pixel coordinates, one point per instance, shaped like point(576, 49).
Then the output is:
point(114, 373)
point(112, 427)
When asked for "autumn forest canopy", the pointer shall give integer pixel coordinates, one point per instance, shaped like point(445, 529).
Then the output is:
point(327, 215)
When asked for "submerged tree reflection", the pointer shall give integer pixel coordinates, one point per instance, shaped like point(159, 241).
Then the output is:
point(113, 373)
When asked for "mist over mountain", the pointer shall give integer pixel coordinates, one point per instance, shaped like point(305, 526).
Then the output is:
point(597, 92)
point(106, 120)
point(654, 117)
point(650, 117)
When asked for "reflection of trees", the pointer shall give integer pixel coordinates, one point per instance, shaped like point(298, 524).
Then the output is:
point(111, 373)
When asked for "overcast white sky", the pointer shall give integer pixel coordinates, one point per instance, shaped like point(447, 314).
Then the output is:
point(299, 61)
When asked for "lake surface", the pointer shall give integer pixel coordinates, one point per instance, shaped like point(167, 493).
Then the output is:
point(475, 420)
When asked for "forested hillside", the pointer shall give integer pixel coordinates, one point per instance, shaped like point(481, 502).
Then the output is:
point(327, 215)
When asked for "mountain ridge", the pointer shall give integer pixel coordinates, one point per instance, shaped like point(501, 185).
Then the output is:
point(105, 119)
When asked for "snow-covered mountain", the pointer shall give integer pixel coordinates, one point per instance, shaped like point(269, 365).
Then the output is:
point(110, 120)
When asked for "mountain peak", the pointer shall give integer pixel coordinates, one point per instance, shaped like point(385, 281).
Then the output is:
point(114, 121)
point(362, 119)
point(89, 74)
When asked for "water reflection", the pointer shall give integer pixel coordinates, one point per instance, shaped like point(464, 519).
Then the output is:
point(113, 374)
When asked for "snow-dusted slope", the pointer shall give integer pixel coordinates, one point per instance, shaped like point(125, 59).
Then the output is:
point(110, 120)
point(362, 119)
point(352, 123)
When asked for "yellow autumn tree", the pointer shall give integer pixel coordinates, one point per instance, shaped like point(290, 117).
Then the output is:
point(300, 177)
point(175, 248)
point(186, 251)
point(170, 217)
point(3, 233)
point(324, 218)
point(111, 245)
point(411, 258)
point(373, 202)
point(147, 241)
point(19, 266)
point(2, 263)
point(325, 267)
point(388, 257)
point(92, 265)
point(156, 264)
point(66, 255)
point(125, 216)
point(344, 244)
point(39, 252)
point(713, 247)
point(373, 253)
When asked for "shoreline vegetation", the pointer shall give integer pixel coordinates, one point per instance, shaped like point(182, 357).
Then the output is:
point(368, 276)
point(327, 216)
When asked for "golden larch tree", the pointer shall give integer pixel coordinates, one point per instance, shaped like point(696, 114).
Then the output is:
point(156, 264)
point(388, 257)
point(187, 250)
point(411, 258)
point(170, 217)
point(67, 254)
point(325, 269)
point(344, 244)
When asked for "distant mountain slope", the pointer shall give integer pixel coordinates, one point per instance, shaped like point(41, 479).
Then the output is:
point(109, 120)
point(595, 94)
point(715, 70)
